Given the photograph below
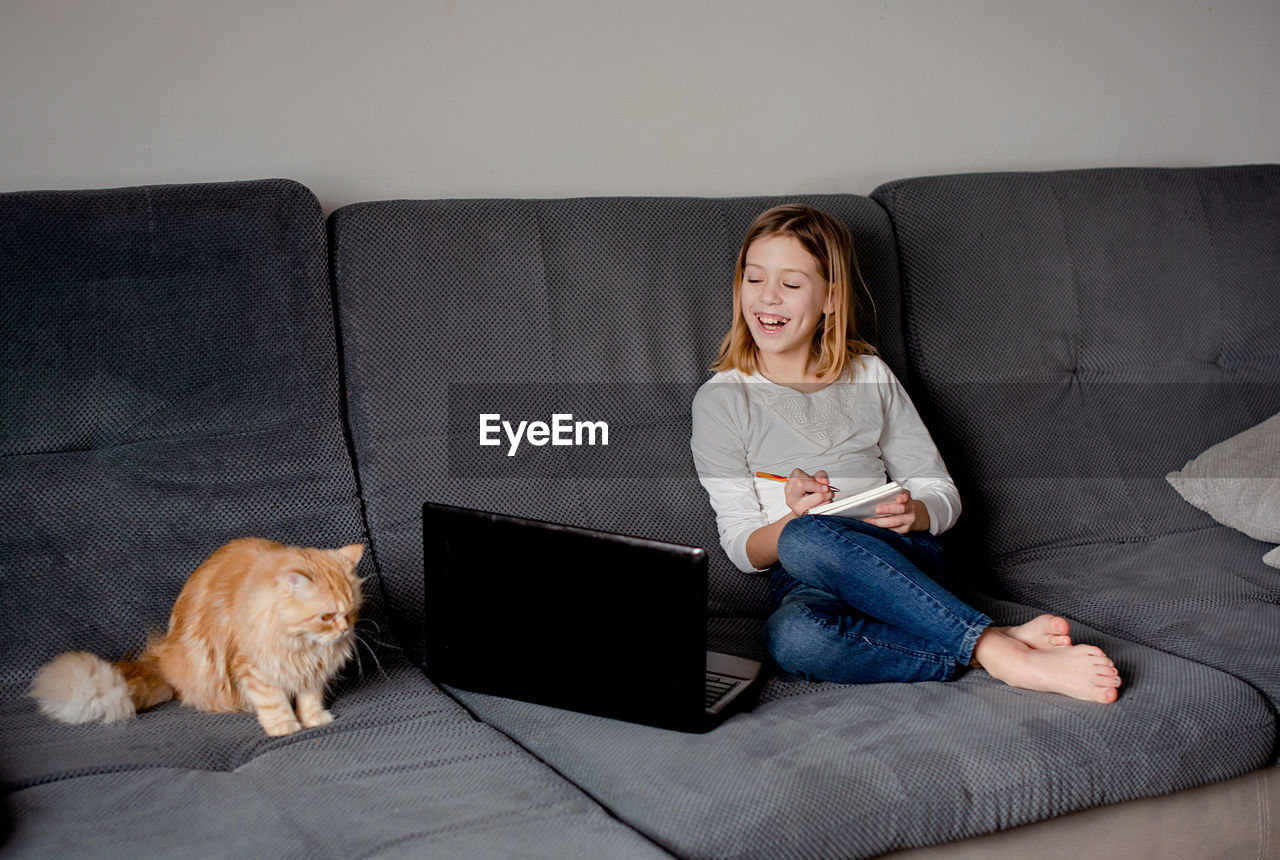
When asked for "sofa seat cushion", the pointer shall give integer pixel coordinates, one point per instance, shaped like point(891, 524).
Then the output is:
point(403, 771)
point(1203, 594)
point(39, 749)
point(607, 309)
point(821, 770)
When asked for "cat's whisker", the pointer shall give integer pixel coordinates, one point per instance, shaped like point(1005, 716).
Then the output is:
point(372, 653)
point(366, 637)
point(376, 641)
point(355, 652)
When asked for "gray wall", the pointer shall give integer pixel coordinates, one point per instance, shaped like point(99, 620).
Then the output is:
point(433, 98)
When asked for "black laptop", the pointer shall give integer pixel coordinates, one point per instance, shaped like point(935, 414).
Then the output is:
point(575, 618)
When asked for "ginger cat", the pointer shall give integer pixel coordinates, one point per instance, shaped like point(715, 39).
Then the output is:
point(257, 625)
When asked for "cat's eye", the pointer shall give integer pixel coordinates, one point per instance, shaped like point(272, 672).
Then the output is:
point(328, 616)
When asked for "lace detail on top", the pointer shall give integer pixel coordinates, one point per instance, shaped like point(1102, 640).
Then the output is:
point(821, 417)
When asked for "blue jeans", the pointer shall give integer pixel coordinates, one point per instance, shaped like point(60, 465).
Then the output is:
point(854, 605)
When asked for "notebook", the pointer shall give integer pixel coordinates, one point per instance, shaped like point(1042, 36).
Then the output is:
point(575, 618)
point(860, 506)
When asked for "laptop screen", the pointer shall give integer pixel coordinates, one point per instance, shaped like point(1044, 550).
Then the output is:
point(565, 616)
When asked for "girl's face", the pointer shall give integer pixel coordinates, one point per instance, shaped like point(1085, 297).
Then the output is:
point(783, 300)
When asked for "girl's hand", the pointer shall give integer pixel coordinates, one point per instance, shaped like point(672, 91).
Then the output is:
point(904, 514)
point(805, 491)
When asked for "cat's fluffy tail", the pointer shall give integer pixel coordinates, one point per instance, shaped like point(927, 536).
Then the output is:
point(79, 687)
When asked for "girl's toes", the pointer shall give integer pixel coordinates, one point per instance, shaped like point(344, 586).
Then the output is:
point(1043, 631)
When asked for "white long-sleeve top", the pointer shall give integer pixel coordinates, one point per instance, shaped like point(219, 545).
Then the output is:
point(862, 430)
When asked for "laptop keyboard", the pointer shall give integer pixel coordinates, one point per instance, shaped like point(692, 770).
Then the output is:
point(718, 687)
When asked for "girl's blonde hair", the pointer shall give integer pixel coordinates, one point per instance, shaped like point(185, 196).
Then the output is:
point(836, 342)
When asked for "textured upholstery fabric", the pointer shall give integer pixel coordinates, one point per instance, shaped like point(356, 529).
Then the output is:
point(1112, 324)
point(608, 309)
point(825, 771)
point(1204, 595)
point(402, 772)
point(1076, 335)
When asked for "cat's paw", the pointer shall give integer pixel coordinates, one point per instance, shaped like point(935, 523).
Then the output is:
point(317, 718)
point(280, 728)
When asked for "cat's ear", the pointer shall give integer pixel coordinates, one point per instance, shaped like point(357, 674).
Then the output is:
point(352, 552)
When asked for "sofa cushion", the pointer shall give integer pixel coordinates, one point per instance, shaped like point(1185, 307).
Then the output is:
point(823, 770)
point(606, 309)
point(1204, 595)
point(171, 383)
point(1237, 482)
point(1076, 335)
point(403, 771)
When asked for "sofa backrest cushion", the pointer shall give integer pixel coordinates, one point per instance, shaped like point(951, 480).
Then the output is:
point(604, 309)
point(1076, 335)
point(171, 382)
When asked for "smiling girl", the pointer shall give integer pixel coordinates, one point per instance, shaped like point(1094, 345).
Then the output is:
point(797, 392)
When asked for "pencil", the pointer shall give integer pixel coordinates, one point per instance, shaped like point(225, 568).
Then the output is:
point(773, 477)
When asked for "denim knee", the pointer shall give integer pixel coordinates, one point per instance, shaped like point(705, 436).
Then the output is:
point(795, 534)
point(789, 639)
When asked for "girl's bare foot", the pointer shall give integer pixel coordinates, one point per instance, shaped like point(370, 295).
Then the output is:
point(1044, 631)
point(1078, 671)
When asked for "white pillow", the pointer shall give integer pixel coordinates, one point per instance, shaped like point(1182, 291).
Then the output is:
point(1237, 482)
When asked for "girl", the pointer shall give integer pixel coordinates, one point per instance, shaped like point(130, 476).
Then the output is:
point(798, 393)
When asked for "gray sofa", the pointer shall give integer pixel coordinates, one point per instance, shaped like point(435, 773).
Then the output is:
point(188, 364)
